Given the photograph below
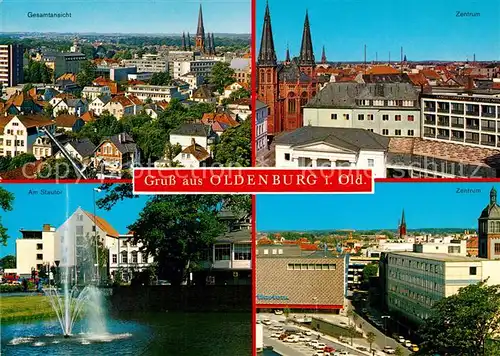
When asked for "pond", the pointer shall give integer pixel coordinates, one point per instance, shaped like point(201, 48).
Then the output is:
point(176, 333)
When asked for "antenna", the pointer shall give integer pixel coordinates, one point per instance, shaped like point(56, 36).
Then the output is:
point(365, 59)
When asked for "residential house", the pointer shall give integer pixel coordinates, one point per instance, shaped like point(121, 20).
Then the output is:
point(231, 88)
point(71, 106)
point(126, 257)
point(219, 122)
point(241, 108)
point(18, 133)
point(185, 133)
point(98, 104)
point(116, 154)
point(193, 156)
point(194, 80)
point(21, 102)
point(82, 150)
point(242, 69)
point(69, 122)
point(120, 106)
point(89, 116)
point(152, 110)
point(45, 147)
point(91, 93)
point(204, 95)
point(101, 81)
point(312, 146)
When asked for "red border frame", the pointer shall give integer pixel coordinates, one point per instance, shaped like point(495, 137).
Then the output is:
point(299, 306)
point(253, 76)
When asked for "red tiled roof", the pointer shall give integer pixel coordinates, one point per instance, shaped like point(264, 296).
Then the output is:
point(28, 171)
point(473, 242)
point(418, 79)
point(88, 116)
point(382, 70)
point(222, 118)
point(197, 151)
point(103, 224)
point(66, 120)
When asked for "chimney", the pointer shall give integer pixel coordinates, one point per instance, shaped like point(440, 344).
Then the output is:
point(46, 227)
point(193, 142)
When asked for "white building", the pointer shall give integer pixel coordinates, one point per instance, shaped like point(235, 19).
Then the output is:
point(91, 93)
point(151, 63)
point(311, 146)
point(241, 109)
point(72, 106)
point(416, 281)
point(194, 80)
point(201, 67)
point(261, 112)
point(140, 76)
point(186, 133)
point(125, 257)
point(388, 109)
point(36, 248)
point(155, 92)
point(97, 105)
point(20, 133)
point(193, 156)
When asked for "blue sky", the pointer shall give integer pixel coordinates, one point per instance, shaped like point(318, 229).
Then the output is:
point(32, 211)
point(427, 29)
point(426, 205)
point(126, 16)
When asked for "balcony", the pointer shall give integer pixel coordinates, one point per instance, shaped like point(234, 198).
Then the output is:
point(430, 122)
point(443, 122)
point(471, 140)
point(472, 113)
point(457, 138)
point(488, 128)
point(457, 125)
point(443, 137)
point(472, 127)
point(444, 110)
point(488, 114)
point(457, 111)
point(488, 143)
point(430, 134)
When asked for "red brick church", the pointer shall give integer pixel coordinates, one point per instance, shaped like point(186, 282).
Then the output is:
point(286, 86)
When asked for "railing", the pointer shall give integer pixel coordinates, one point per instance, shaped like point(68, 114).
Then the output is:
point(459, 126)
point(487, 128)
point(472, 127)
point(472, 113)
point(488, 143)
point(488, 114)
point(443, 123)
point(444, 110)
point(457, 138)
point(471, 140)
point(430, 108)
point(457, 111)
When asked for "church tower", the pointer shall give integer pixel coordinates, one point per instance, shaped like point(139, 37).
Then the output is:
point(267, 75)
point(323, 56)
point(402, 226)
point(307, 62)
point(200, 33)
point(489, 229)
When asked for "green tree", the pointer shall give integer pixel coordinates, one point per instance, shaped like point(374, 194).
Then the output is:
point(27, 87)
point(370, 337)
point(104, 126)
point(5, 163)
point(6, 200)
point(235, 146)
point(57, 168)
point(87, 74)
point(221, 76)
point(177, 229)
point(21, 160)
point(161, 78)
point(37, 72)
point(351, 330)
point(8, 261)
point(48, 111)
point(370, 270)
point(463, 323)
point(398, 351)
point(239, 94)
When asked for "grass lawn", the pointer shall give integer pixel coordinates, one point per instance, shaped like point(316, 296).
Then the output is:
point(28, 307)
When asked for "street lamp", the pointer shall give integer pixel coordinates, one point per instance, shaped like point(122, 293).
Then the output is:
point(95, 237)
point(385, 317)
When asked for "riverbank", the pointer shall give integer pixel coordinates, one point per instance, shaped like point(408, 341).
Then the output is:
point(25, 308)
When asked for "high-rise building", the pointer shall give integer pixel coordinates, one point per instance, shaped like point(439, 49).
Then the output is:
point(11, 64)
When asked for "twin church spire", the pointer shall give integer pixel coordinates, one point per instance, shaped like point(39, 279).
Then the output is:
point(267, 53)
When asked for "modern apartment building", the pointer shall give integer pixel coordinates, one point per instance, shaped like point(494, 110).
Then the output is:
point(11, 65)
point(36, 248)
point(463, 118)
point(156, 92)
point(201, 67)
point(287, 277)
point(148, 63)
point(415, 281)
point(388, 109)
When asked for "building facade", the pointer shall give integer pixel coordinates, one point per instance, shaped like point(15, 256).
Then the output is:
point(126, 257)
point(155, 92)
point(149, 63)
point(261, 111)
point(68, 62)
point(489, 229)
point(285, 87)
point(35, 249)
point(11, 65)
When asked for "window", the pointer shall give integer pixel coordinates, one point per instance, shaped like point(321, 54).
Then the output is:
point(333, 116)
point(397, 117)
point(411, 118)
point(397, 132)
point(361, 117)
point(242, 252)
point(369, 117)
point(385, 132)
point(411, 133)
point(39, 256)
point(134, 257)
point(292, 106)
point(497, 249)
point(371, 162)
point(311, 267)
point(287, 156)
point(346, 116)
point(371, 130)
point(473, 271)
point(222, 252)
point(79, 217)
point(39, 246)
point(144, 256)
point(124, 257)
point(385, 117)
point(114, 258)
point(79, 230)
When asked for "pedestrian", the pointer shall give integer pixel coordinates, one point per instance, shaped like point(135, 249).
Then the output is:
point(25, 285)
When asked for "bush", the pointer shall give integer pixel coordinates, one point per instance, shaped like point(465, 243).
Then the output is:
point(10, 288)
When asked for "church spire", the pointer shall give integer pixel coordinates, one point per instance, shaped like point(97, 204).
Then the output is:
point(212, 42)
point(267, 54)
point(306, 51)
point(183, 41)
point(493, 196)
point(323, 56)
point(200, 32)
point(402, 226)
point(209, 44)
point(188, 42)
point(287, 60)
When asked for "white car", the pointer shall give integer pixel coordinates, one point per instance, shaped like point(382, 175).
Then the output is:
point(401, 339)
point(389, 350)
point(275, 335)
point(313, 343)
point(303, 338)
point(266, 322)
point(408, 343)
point(320, 346)
point(307, 333)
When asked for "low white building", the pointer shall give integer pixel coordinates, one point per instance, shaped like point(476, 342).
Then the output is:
point(97, 105)
point(36, 248)
point(156, 92)
point(186, 133)
point(241, 108)
point(91, 93)
point(126, 257)
point(194, 80)
point(311, 146)
point(201, 67)
point(193, 156)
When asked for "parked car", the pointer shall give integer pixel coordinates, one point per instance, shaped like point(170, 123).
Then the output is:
point(275, 335)
point(362, 348)
point(320, 346)
point(329, 349)
point(408, 343)
point(389, 350)
point(414, 348)
point(313, 343)
point(307, 332)
point(278, 312)
point(401, 339)
point(266, 322)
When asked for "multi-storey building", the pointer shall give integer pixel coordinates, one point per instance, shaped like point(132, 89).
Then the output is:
point(151, 63)
point(156, 92)
point(11, 64)
point(416, 281)
point(489, 229)
point(68, 62)
point(261, 111)
point(19, 133)
point(200, 67)
point(36, 248)
point(116, 154)
point(91, 93)
point(126, 257)
point(389, 109)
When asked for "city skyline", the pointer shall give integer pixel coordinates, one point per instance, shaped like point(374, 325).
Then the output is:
point(379, 211)
point(439, 35)
point(53, 209)
point(168, 17)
